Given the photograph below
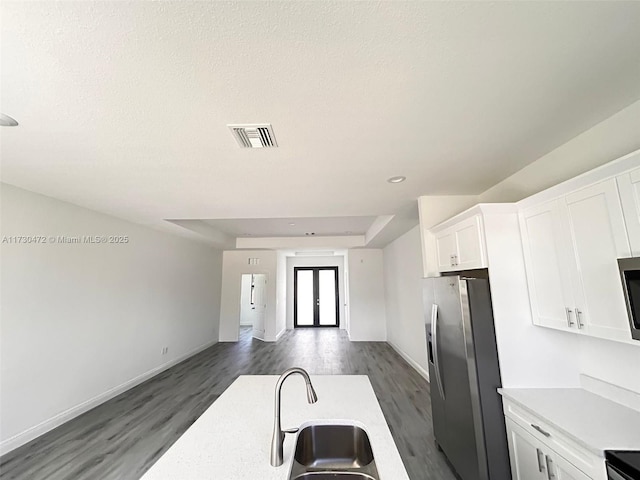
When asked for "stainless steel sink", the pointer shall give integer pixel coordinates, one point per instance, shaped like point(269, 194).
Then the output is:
point(326, 452)
point(334, 476)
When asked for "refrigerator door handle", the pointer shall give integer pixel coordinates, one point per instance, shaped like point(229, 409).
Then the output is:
point(434, 336)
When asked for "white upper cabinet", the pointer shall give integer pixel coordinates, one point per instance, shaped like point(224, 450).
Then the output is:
point(470, 243)
point(629, 188)
point(599, 238)
point(461, 246)
point(548, 272)
point(572, 237)
point(446, 250)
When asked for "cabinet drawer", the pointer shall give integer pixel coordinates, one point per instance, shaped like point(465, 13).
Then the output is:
point(568, 448)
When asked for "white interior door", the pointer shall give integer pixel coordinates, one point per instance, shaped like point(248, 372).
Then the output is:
point(260, 303)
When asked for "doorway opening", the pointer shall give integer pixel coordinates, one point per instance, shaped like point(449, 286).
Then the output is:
point(315, 297)
point(253, 303)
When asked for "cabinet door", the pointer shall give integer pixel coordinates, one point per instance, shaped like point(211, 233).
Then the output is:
point(629, 188)
point(446, 248)
point(525, 452)
point(546, 258)
point(560, 469)
point(469, 243)
point(599, 237)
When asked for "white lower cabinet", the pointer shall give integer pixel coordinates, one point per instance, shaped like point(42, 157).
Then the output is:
point(533, 460)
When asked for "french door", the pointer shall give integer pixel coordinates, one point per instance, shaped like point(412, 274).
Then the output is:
point(315, 297)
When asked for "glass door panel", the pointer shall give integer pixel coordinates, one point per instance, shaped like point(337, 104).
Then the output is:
point(315, 297)
point(327, 298)
point(305, 298)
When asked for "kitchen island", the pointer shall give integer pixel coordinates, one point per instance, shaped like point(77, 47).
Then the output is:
point(231, 440)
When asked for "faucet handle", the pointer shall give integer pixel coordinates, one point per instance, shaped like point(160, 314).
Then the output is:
point(290, 430)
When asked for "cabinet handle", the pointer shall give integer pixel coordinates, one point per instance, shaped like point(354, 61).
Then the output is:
point(550, 474)
point(538, 428)
point(579, 318)
point(455, 259)
point(568, 311)
point(540, 464)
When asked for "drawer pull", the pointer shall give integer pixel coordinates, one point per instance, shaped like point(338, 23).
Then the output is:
point(538, 428)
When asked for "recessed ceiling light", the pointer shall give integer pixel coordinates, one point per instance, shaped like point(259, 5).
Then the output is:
point(7, 121)
point(292, 224)
point(398, 179)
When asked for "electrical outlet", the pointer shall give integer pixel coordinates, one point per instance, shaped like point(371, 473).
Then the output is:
point(165, 350)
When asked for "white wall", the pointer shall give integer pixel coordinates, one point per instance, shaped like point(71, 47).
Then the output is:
point(403, 296)
point(84, 322)
point(530, 356)
point(610, 139)
point(329, 261)
point(234, 264)
point(613, 362)
point(367, 315)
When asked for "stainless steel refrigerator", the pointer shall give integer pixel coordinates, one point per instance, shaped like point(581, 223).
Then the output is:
point(464, 373)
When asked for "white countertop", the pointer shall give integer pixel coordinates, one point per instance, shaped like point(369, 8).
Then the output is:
point(232, 439)
point(595, 422)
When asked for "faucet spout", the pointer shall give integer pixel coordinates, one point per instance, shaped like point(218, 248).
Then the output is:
point(277, 439)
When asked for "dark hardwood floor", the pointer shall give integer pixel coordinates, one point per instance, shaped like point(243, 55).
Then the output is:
point(123, 437)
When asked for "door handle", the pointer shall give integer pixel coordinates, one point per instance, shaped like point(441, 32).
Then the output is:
point(434, 336)
point(540, 460)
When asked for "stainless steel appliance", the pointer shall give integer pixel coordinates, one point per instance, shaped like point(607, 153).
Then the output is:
point(468, 420)
point(630, 275)
point(623, 465)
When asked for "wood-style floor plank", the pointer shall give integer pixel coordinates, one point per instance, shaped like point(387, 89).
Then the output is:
point(122, 438)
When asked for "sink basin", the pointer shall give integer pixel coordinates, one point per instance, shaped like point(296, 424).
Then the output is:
point(332, 452)
point(334, 476)
point(333, 446)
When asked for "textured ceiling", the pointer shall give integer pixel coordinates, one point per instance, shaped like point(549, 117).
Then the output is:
point(123, 106)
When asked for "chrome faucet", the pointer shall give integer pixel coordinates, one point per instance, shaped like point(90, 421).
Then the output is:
point(277, 440)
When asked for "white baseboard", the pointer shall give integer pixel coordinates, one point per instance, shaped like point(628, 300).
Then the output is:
point(34, 432)
point(417, 367)
point(280, 334)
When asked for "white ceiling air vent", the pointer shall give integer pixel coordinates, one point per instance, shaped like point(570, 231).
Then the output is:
point(254, 135)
